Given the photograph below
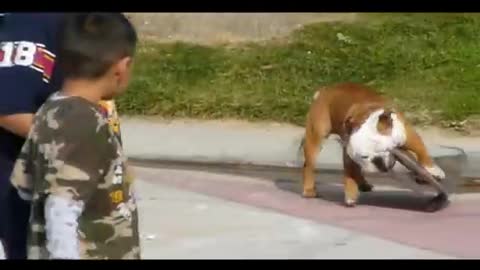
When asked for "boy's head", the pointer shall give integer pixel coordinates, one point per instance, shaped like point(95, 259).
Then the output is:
point(98, 47)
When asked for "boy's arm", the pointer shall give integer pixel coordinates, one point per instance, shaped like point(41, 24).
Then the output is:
point(83, 156)
point(61, 224)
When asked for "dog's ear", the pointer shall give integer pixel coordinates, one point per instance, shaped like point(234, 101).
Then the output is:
point(385, 122)
point(385, 116)
point(349, 121)
point(348, 127)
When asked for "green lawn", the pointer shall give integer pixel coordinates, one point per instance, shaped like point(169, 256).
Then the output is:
point(429, 63)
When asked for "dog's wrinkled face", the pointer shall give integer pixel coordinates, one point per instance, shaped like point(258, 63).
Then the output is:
point(371, 134)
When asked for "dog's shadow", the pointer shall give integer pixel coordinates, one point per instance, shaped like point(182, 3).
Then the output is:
point(397, 199)
point(405, 199)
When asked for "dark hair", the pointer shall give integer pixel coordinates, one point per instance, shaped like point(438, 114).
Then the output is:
point(90, 43)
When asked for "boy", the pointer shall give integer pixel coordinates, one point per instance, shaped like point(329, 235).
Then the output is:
point(26, 84)
point(71, 166)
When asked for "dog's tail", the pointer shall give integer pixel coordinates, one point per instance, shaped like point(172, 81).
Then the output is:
point(300, 147)
point(319, 92)
point(300, 158)
point(308, 126)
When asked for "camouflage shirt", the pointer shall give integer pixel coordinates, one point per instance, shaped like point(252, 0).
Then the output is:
point(71, 151)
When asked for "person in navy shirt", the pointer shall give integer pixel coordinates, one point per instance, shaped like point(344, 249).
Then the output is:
point(28, 76)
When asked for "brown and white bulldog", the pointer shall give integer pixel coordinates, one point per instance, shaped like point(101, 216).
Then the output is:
point(368, 126)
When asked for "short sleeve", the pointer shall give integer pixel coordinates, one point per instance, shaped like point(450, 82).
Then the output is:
point(27, 61)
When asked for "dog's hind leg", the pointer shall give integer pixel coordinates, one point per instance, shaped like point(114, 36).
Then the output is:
point(363, 185)
point(314, 137)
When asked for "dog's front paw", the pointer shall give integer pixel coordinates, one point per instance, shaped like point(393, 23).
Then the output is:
point(365, 187)
point(309, 193)
point(350, 202)
point(436, 172)
point(419, 180)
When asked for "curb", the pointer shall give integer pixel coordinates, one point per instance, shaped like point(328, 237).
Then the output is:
point(214, 143)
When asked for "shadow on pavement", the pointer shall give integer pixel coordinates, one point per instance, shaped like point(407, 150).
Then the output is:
point(414, 199)
point(397, 199)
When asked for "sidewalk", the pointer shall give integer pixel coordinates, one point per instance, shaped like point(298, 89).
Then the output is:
point(250, 217)
point(177, 224)
point(180, 224)
point(258, 143)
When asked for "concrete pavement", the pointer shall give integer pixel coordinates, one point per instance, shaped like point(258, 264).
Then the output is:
point(187, 223)
point(200, 215)
point(178, 224)
point(255, 218)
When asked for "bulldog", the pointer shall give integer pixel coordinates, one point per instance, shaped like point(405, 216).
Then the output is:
point(368, 126)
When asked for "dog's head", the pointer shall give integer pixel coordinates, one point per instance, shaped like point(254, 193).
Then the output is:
point(370, 132)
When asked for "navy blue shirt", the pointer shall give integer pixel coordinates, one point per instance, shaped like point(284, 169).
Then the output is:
point(28, 48)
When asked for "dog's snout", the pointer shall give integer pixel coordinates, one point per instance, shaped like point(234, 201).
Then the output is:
point(384, 163)
point(380, 164)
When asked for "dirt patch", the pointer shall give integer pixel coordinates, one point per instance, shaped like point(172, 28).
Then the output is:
point(214, 28)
